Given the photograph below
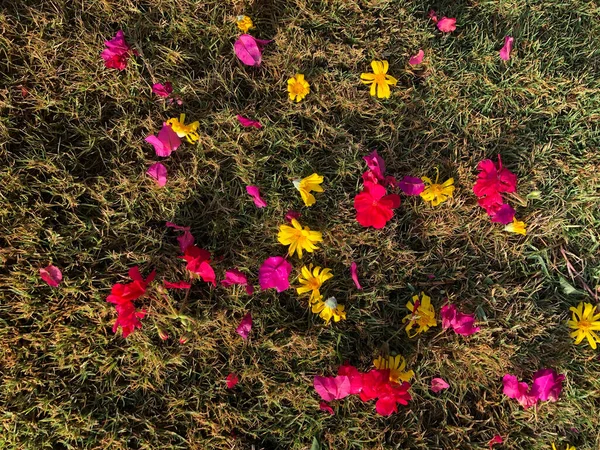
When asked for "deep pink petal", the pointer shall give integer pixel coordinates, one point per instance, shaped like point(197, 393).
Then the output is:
point(176, 227)
point(177, 285)
point(504, 214)
point(376, 164)
point(291, 214)
point(325, 407)
point(162, 90)
point(417, 59)
point(245, 326)
point(232, 380)
point(245, 122)
point(248, 49)
point(497, 439)
point(386, 406)
point(185, 240)
point(274, 273)
point(254, 192)
point(411, 185)
point(508, 45)
point(159, 173)
point(51, 275)
point(547, 385)
point(446, 25)
point(354, 275)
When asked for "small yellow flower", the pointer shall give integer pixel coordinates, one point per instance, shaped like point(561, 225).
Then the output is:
point(312, 280)
point(437, 193)
point(516, 227)
point(569, 447)
point(422, 315)
point(305, 185)
point(328, 309)
point(379, 81)
point(585, 322)
point(299, 238)
point(396, 364)
point(244, 23)
point(298, 87)
point(189, 130)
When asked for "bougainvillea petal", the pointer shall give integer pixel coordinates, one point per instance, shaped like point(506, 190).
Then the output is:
point(411, 185)
point(159, 173)
point(51, 275)
point(354, 275)
point(547, 385)
point(185, 240)
point(117, 52)
point(254, 192)
point(162, 90)
point(166, 142)
point(519, 391)
point(245, 122)
point(274, 273)
point(507, 48)
point(325, 407)
point(332, 388)
point(376, 164)
point(245, 326)
point(355, 377)
point(177, 285)
point(232, 380)
point(497, 439)
point(439, 384)
point(461, 323)
point(249, 49)
point(446, 24)
point(417, 59)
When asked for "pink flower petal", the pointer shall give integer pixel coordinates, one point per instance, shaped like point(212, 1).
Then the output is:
point(325, 407)
point(495, 440)
point(159, 173)
point(508, 45)
point(166, 142)
point(411, 185)
point(547, 385)
point(354, 275)
point(332, 388)
point(519, 391)
point(433, 16)
point(417, 59)
point(177, 285)
point(439, 384)
point(291, 214)
point(249, 49)
point(255, 194)
point(51, 275)
point(232, 380)
point(504, 214)
point(274, 273)
point(446, 25)
point(376, 164)
point(245, 326)
point(176, 227)
point(245, 122)
point(162, 90)
point(461, 323)
point(185, 240)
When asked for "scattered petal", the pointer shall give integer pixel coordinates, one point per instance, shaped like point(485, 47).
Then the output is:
point(508, 45)
point(376, 164)
point(166, 142)
point(417, 59)
point(547, 385)
point(185, 240)
point(495, 440)
point(232, 380)
point(162, 90)
point(291, 214)
point(245, 326)
point(433, 16)
point(177, 285)
point(504, 214)
point(446, 25)
point(245, 122)
point(461, 323)
point(51, 275)
point(354, 274)
point(159, 173)
point(117, 52)
point(325, 407)
point(255, 194)
point(176, 227)
point(439, 384)
point(332, 388)
point(411, 185)
point(234, 276)
point(519, 391)
point(274, 273)
point(249, 49)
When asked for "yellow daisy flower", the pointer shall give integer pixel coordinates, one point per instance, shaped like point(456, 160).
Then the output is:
point(312, 280)
point(305, 185)
point(396, 364)
point(569, 447)
point(585, 322)
point(189, 130)
point(422, 314)
point(298, 87)
point(244, 23)
point(379, 81)
point(299, 238)
point(437, 193)
point(328, 309)
point(516, 227)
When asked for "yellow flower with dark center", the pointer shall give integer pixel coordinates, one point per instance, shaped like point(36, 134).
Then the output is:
point(422, 315)
point(312, 280)
point(308, 184)
point(379, 80)
point(437, 193)
point(244, 23)
point(516, 227)
point(189, 130)
point(585, 322)
point(298, 87)
point(396, 364)
point(298, 238)
point(328, 309)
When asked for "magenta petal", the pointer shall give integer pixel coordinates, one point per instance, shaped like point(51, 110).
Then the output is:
point(354, 275)
point(291, 214)
point(245, 326)
point(504, 214)
point(245, 122)
point(376, 164)
point(439, 384)
point(325, 407)
point(254, 192)
point(51, 275)
point(248, 49)
point(166, 142)
point(162, 90)
point(508, 45)
point(185, 240)
point(411, 185)
point(417, 59)
point(446, 25)
point(332, 388)
point(274, 273)
point(497, 439)
point(159, 173)
point(547, 385)
point(176, 227)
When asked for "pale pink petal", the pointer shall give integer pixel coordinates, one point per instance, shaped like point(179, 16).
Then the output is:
point(354, 275)
point(245, 122)
point(249, 49)
point(439, 384)
point(274, 273)
point(446, 25)
point(159, 173)
point(495, 440)
point(325, 407)
point(245, 326)
point(508, 45)
point(255, 194)
point(417, 59)
point(177, 285)
point(51, 275)
point(162, 90)
point(232, 380)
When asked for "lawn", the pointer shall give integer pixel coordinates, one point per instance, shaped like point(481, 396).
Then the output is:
point(74, 193)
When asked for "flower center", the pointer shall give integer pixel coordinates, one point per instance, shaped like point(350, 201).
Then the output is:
point(584, 325)
point(379, 78)
point(436, 189)
point(331, 303)
point(297, 88)
point(314, 283)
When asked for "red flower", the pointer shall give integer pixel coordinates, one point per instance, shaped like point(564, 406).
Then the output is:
point(493, 180)
point(124, 293)
point(128, 318)
point(198, 262)
point(374, 207)
point(377, 384)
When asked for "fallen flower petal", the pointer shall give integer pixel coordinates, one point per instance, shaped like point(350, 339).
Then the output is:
point(433, 16)
point(376, 164)
point(185, 240)
point(176, 227)
point(411, 185)
point(325, 407)
point(232, 380)
point(249, 49)
point(159, 173)
point(128, 318)
point(234, 276)
point(417, 59)
point(446, 25)
point(274, 273)
point(497, 439)
point(508, 45)
point(291, 214)
point(254, 192)
point(166, 142)
point(162, 90)
point(373, 207)
point(117, 52)
point(355, 377)
point(547, 385)
point(51, 275)
point(245, 122)
point(519, 391)
point(503, 214)
point(354, 275)
point(461, 323)
point(245, 326)
point(177, 285)
point(438, 384)
point(198, 262)
point(332, 388)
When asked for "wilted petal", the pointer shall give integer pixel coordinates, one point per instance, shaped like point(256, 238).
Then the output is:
point(159, 173)
point(232, 380)
point(245, 122)
point(417, 59)
point(245, 326)
point(411, 185)
point(291, 214)
point(508, 45)
point(162, 90)
point(177, 285)
point(325, 407)
point(354, 275)
point(446, 25)
point(185, 240)
point(51, 275)
point(249, 49)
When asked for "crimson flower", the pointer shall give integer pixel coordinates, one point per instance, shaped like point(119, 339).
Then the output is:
point(374, 207)
point(128, 318)
point(124, 293)
point(117, 52)
point(377, 384)
point(198, 262)
point(493, 180)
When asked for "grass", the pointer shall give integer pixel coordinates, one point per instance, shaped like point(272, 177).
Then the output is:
point(73, 192)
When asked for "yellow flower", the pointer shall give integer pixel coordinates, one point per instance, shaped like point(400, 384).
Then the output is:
point(312, 280)
point(328, 309)
point(396, 364)
point(569, 447)
point(299, 238)
point(305, 185)
point(585, 322)
point(379, 81)
point(516, 227)
point(189, 130)
point(422, 315)
point(244, 23)
point(437, 193)
point(298, 87)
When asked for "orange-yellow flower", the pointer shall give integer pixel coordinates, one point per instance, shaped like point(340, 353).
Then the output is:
point(422, 315)
point(585, 323)
point(299, 239)
point(312, 280)
point(379, 80)
point(298, 87)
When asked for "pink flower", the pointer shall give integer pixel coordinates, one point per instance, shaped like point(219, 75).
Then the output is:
point(354, 275)
point(245, 326)
point(459, 322)
point(446, 25)
point(234, 276)
point(497, 439)
point(518, 391)
point(127, 318)
point(245, 122)
point(411, 185)
point(376, 164)
point(255, 194)
point(249, 49)
point(292, 215)
point(159, 173)
point(274, 273)
point(166, 142)
point(231, 380)
point(493, 180)
point(508, 45)
point(177, 285)
point(438, 384)
point(125, 293)
point(198, 262)
point(547, 385)
point(117, 52)
point(377, 384)
point(374, 207)
point(51, 275)
point(162, 90)
point(417, 59)
point(332, 388)
point(325, 407)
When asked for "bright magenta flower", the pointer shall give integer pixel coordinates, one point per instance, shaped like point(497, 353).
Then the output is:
point(376, 384)
point(245, 326)
point(493, 179)
point(275, 273)
point(332, 388)
point(117, 52)
point(373, 207)
point(438, 385)
point(254, 192)
point(446, 25)
point(459, 322)
point(166, 142)
point(51, 275)
point(245, 122)
point(124, 293)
